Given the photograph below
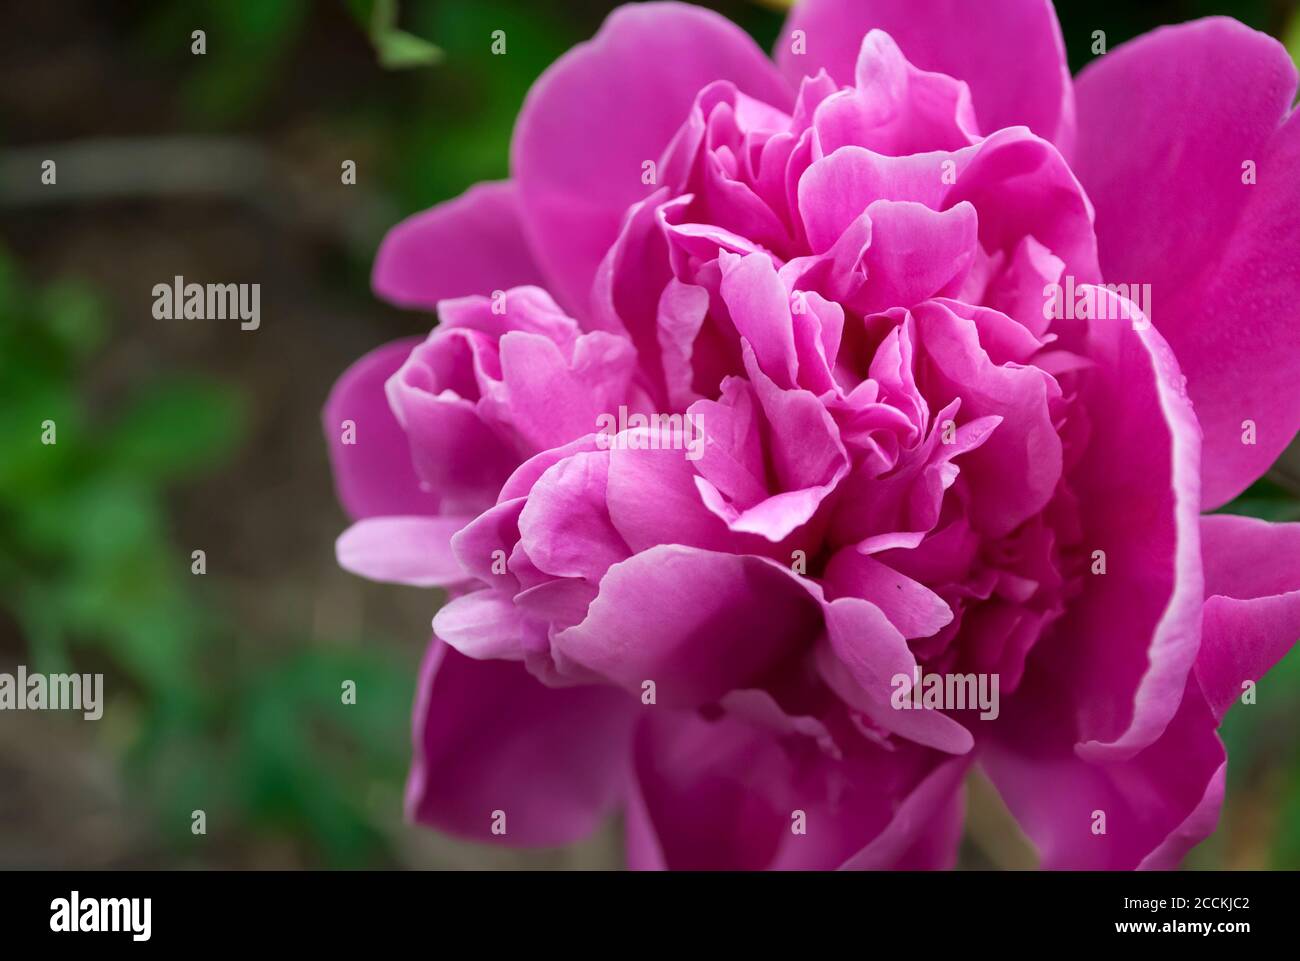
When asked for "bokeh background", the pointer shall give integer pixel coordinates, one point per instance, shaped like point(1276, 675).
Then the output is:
point(223, 690)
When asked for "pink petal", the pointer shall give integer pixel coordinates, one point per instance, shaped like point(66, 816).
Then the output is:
point(489, 737)
point(1015, 471)
point(602, 110)
point(1157, 804)
point(874, 654)
point(565, 525)
point(925, 830)
point(454, 452)
point(913, 609)
point(1251, 617)
point(916, 253)
point(374, 475)
point(1010, 53)
point(483, 625)
point(473, 244)
point(1191, 104)
point(894, 108)
point(1127, 643)
point(725, 795)
point(553, 400)
point(403, 550)
point(653, 500)
point(697, 623)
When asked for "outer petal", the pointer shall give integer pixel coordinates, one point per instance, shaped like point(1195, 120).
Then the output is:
point(1252, 608)
point(403, 550)
point(1124, 648)
point(602, 110)
point(723, 794)
point(489, 737)
point(373, 476)
point(473, 244)
point(1156, 805)
point(925, 830)
point(1010, 52)
point(1192, 104)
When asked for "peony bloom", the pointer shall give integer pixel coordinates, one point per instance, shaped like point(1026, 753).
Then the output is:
point(797, 435)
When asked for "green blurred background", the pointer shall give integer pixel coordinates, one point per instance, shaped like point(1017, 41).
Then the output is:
point(223, 690)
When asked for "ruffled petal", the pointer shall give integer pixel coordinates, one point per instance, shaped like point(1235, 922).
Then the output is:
point(606, 108)
point(1010, 53)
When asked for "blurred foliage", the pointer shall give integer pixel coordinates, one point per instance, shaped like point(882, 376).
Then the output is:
point(397, 49)
point(258, 742)
point(1291, 36)
point(247, 45)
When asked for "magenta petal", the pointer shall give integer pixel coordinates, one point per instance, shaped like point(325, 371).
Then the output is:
point(697, 623)
point(489, 737)
point(1010, 53)
point(1252, 609)
point(605, 108)
point(726, 794)
point(554, 399)
point(1192, 104)
point(482, 625)
point(916, 253)
point(759, 306)
point(652, 499)
point(877, 658)
point(403, 550)
point(1127, 643)
point(696, 805)
point(925, 830)
point(1156, 804)
point(1015, 471)
point(473, 244)
point(453, 451)
point(913, 609)
point(368, 449)
point(565, 526)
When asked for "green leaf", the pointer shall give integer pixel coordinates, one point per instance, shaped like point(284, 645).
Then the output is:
point(399, 50)
point(1291, 37)
point(176, 428)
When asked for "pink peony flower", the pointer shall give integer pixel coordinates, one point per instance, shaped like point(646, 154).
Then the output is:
point(796, 436)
